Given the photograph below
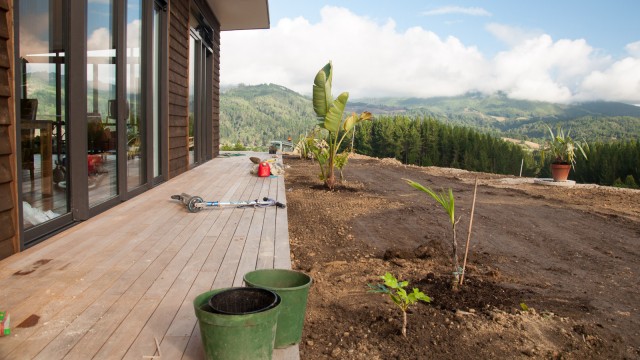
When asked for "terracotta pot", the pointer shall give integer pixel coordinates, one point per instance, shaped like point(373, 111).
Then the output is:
point(560, 172)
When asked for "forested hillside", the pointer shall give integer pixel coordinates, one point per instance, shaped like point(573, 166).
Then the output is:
point(593, 121)
point(427, 142)
point(255, 115)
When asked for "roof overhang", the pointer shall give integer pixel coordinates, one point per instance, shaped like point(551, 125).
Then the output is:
point(241, 14)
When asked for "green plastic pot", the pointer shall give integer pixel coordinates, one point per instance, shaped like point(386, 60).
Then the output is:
point(293, 288)
point(236, 337)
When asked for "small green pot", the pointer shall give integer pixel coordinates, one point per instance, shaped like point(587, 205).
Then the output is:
point(293, 288)
point(236, 337)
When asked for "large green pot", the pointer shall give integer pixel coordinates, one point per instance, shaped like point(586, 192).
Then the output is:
point(293, 288)
point(239, 337)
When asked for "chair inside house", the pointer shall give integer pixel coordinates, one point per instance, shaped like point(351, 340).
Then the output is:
point(28, 110)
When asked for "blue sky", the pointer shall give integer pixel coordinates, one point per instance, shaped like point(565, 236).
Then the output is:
point(605, 25)
point(559, 51)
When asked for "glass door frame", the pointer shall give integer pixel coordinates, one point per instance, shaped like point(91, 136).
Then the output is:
point(76, 87)
point(159, 127)
point(38, 232)
point(203, 93)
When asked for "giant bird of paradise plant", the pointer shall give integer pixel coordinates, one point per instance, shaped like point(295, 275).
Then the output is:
point(330, 114)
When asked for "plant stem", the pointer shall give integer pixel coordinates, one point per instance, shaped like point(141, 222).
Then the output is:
point(455, 249)
point(404, 323)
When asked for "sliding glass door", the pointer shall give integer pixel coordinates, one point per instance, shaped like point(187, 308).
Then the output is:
point(89, 105)
point(102, 115)
point(200, 90)
point(157, 50)
point(42, 112)
point(133, 93)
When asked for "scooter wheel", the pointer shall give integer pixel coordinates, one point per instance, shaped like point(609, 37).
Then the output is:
point(191, 205)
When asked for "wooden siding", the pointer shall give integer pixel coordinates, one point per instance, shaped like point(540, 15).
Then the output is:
point(178, 86)
point(216, 92)
point(8, 195)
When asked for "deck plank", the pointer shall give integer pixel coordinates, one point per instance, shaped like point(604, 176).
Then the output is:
point(129, 275)
point(249, 256)
point(181, 329)
point(282, 252)
point(267, 239)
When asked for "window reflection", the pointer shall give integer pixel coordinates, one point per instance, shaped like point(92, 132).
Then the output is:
point(101, 106)
point(135, 121)
point(192, 99)
point(42, 111)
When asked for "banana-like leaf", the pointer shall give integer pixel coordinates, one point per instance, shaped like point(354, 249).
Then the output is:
point(349, 122)
point(353, 119)
point(334, 116)
point(322, 90)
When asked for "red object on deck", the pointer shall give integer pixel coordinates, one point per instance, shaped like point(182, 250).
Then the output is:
point(264, 169)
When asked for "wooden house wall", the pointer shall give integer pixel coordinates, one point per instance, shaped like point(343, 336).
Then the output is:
point(8, 191)
point(178, 87)
point(216, 92)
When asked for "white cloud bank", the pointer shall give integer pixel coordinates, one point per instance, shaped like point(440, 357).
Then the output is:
point(374, 60)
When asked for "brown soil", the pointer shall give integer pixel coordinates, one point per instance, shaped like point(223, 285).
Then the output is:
point(570, 254)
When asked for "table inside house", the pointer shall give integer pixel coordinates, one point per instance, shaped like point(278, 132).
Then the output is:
point(45, 131)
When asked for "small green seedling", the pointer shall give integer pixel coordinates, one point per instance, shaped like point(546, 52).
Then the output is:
point(447, 201)
point(397, 293)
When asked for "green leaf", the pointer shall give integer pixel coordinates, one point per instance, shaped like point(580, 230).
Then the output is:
point(395, 299)
point(419, 295)
point(390, 280)
point(353, 119)
point(378, 288)
point(334, 116)
point(322, 90)
point(402, 293)
point(450, 207)
point(349, 122)
point(447, 203)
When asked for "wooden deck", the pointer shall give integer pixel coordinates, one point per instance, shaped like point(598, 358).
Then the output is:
point(108, 287)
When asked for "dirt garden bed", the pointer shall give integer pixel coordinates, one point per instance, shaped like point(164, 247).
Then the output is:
point(571, 255)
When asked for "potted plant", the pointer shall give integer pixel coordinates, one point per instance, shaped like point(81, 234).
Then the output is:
point(564, 150)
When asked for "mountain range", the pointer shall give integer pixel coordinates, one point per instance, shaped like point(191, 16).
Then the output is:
point(256, 114)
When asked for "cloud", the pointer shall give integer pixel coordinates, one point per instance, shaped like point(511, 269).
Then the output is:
point(369, 59)
point(133, 34)
point(541, 69)
point(375, 59)
point(34, 37)
point(512, 35)
point(446, 10)
point(100, 39)
point(620, 81)
point(633, 49)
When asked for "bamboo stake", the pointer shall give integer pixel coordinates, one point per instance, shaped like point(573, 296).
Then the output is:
point(466, 250)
